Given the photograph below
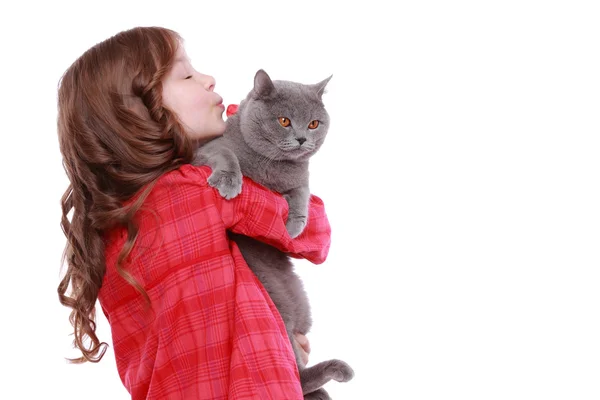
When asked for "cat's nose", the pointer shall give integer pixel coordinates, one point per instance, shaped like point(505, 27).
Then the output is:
point(301, 140)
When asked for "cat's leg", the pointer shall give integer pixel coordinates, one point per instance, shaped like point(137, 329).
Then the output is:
point(316, 376)
point(320, 394)
point(302, 312)
point(226, 173)
point(297, 199)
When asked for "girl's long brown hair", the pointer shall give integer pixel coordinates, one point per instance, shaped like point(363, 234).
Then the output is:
point(116, 139)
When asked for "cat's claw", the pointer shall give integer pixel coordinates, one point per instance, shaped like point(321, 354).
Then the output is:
point(228, 183)
point(295, 226)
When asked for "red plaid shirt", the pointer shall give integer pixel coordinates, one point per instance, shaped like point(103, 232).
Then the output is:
point(212, 331)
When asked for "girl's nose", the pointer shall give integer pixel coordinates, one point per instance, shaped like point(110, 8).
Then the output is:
point(208, 82)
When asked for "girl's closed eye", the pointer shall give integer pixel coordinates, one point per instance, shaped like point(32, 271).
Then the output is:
point(188, 77)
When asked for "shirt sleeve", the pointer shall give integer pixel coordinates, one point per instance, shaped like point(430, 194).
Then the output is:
point(260, 213)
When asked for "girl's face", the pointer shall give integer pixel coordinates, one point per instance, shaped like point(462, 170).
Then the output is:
point(191, 96)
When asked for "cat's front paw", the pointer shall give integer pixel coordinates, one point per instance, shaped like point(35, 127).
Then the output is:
point(228, 183)
point(340, 371)
point(295, 225)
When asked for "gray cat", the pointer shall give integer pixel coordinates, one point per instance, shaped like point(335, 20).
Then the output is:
point(277, 128)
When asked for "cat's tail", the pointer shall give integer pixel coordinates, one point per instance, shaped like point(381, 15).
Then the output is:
point(314, 377)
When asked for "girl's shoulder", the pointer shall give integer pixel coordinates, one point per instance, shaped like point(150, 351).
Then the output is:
point(187, 172)
point(185, 181)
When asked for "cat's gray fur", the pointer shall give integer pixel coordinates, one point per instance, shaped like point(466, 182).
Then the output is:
point(257, 145)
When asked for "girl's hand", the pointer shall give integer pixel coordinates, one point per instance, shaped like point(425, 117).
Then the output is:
point(304, 344)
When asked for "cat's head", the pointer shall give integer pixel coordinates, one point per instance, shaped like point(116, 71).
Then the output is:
point(284, 120)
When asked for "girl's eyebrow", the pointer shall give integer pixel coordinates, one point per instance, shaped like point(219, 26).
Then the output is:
point(182, 59)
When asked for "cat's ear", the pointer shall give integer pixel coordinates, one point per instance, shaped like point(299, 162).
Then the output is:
point(319, 88)
point(263, 86)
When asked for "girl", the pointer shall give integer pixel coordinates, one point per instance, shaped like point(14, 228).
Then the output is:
point(147, 235)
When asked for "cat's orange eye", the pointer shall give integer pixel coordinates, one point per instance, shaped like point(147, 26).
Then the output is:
point(313, 124)
point(285, 122)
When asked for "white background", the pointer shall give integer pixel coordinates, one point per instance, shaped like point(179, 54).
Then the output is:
point(460, 174)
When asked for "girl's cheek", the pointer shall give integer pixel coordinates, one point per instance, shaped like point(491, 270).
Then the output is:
point(203, 102)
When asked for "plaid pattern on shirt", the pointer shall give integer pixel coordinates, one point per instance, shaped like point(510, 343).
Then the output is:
point(212, 331)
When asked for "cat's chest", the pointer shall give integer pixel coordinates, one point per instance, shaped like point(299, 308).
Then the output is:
point(278, 176)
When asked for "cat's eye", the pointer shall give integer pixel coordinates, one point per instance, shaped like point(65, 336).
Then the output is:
point(313, 124)
point(285, 122)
